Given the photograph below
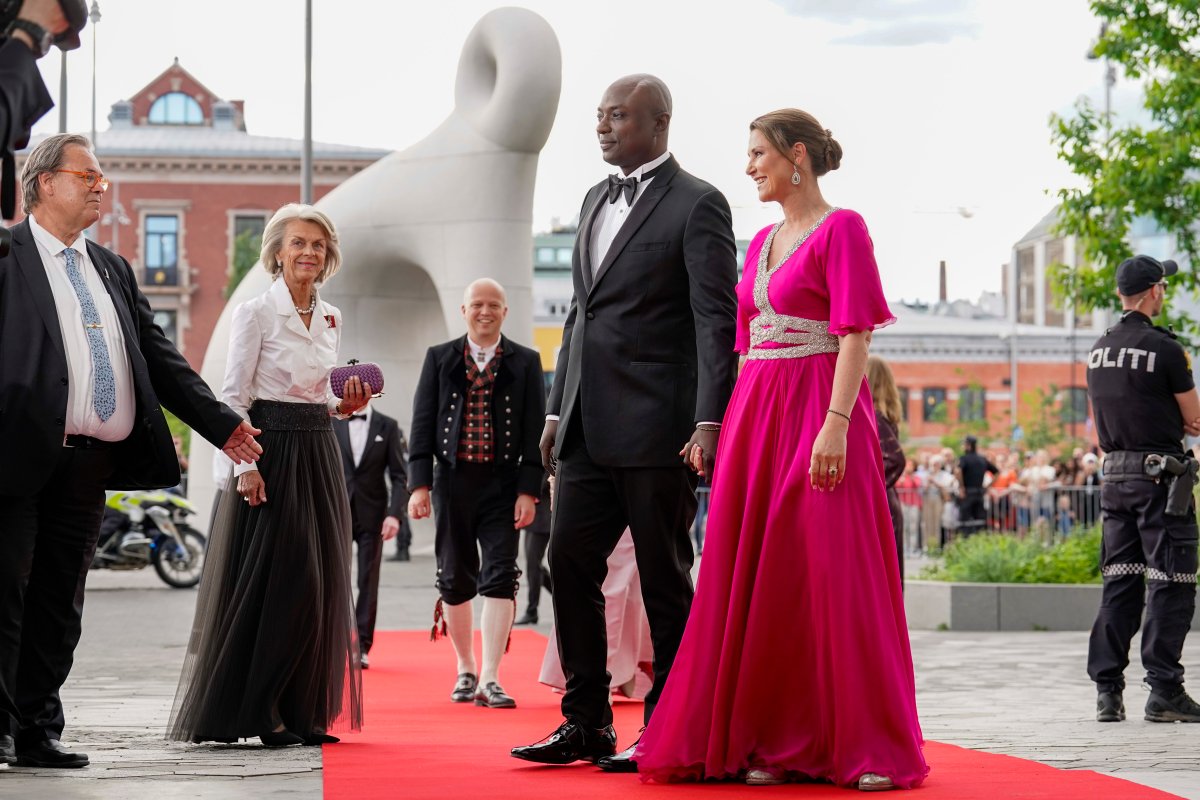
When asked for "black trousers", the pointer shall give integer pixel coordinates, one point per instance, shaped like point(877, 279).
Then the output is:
point(593, 506)
point(972, 512)
point(46, 545)
point(369, 544)
point(1148, 557)
point(473, 512)
point(535, 550)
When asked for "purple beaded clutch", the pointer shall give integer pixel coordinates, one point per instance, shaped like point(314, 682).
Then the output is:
point(367, 373)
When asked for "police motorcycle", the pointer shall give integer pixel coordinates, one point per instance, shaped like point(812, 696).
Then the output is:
point(150, 527)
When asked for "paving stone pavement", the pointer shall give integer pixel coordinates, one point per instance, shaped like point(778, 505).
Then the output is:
point(1021, 694)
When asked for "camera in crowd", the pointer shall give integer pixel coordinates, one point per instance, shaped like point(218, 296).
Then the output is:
point(76, 14)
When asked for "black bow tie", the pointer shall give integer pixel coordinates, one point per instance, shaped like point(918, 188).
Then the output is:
point(617, 184)
point(358, 416)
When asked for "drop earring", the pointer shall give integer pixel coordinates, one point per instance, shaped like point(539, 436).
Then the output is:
point(795, 175)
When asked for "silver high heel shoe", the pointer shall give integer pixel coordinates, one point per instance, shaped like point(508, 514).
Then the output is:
point(871, 782)
point(759, 776)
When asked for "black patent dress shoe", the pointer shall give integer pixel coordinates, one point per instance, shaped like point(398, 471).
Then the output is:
point(621, 762)
point(8, 750)
point(530, 618)
point(284, 738)
point(492, 696)
point(570, 742)
point(1110, 707)
point(464, 689)
point(50, 753)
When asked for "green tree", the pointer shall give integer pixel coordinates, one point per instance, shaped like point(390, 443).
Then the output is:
point(246, 247)
point(1133, 170)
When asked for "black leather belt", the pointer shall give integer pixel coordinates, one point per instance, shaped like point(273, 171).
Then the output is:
point(86, 442)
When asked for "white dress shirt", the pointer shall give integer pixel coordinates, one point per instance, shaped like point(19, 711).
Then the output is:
point(612, 216)
point(359, 425)
point(272, 356)
point(81, 415)
point(482, 355)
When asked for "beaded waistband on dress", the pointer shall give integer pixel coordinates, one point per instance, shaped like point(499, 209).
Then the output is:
point(796, 337)
point(274, 415)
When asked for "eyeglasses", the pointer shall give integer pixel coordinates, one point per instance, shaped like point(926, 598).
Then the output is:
point(90, 178)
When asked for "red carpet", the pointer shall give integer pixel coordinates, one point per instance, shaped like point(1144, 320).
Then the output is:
point(416, 744)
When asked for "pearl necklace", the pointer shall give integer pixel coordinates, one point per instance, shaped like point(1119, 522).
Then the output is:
point(311, 307)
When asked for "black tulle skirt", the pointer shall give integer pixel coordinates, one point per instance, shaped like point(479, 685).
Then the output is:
point(274, 639)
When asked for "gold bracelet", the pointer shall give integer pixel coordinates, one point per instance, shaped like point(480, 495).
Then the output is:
point(840, 414)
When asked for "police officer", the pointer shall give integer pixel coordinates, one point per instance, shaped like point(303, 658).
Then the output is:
point(1144, 399)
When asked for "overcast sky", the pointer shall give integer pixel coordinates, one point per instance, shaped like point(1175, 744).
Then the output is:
point(938, 104)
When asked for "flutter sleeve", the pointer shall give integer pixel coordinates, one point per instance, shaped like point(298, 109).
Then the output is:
point(856, 301)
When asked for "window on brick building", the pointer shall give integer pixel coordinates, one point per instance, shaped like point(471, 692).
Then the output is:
point(162, 250)
point(1073, 404)
point(971, 404)
point(903, 390)
point(933, 401)
point(176, 108)
point(168, 321)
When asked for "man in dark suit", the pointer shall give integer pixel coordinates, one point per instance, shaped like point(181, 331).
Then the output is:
point(371, 451)
point(479, 406)
point(646, 367)
point(83, 373)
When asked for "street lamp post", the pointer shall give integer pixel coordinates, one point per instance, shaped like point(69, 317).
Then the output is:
point(306, 156)
point(94, 16)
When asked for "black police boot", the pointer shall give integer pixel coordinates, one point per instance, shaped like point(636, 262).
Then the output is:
point(1171, 706)
point(1110, 707)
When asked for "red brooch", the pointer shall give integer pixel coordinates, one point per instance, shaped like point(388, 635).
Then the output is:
point(330, 321)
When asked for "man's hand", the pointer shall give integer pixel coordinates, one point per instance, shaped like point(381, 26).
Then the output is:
point(391, 526)
point(546, 445)
point(1192, 428)
point(251, 487)
point(241, 446)
point(523, 512)
point(701, 451)
point(418, 504)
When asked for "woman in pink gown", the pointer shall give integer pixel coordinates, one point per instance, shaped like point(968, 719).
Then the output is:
point(795, 664)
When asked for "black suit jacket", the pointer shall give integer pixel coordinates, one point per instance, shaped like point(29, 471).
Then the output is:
point(382, 456)
point(647, 349)
point(518, 409)
point(34, 378)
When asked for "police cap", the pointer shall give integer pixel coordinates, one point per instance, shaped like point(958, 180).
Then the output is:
point(1137, 274)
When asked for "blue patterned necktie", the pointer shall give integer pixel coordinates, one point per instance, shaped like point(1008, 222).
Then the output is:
point(104, 385)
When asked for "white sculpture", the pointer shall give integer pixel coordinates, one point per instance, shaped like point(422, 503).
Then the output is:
point(421, 224)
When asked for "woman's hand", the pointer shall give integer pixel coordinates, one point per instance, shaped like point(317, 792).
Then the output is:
point(827, 468)
point(355, 395)
point(251, 487)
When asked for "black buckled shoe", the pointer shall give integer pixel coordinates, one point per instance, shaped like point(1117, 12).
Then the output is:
point(464, 689)
point(1177, 707)
point(50, 753)
point(570, 742)
point(621, 762)
point(492, 696)
point(8, 750)
point(1110, 707)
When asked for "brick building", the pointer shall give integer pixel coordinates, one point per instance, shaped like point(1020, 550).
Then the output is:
point(187, 180)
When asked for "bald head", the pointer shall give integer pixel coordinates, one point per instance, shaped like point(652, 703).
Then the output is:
point(632, 121)
point(484, 308)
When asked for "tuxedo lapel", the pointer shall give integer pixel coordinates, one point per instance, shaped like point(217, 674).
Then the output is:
point(585, 239)
point(374, 429)
point(641, 212)
point(29, 261)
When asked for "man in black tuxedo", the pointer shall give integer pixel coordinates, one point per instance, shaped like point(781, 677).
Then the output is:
point(83, 373)
point(646, 367)
point(371, 451)
point(477, 412)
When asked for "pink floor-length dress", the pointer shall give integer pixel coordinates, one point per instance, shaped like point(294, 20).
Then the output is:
point(796, 654)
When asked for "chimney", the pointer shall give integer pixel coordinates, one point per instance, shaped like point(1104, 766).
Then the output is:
point(942, 281)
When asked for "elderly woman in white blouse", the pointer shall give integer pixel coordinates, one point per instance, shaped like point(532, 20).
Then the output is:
point(273, 651)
